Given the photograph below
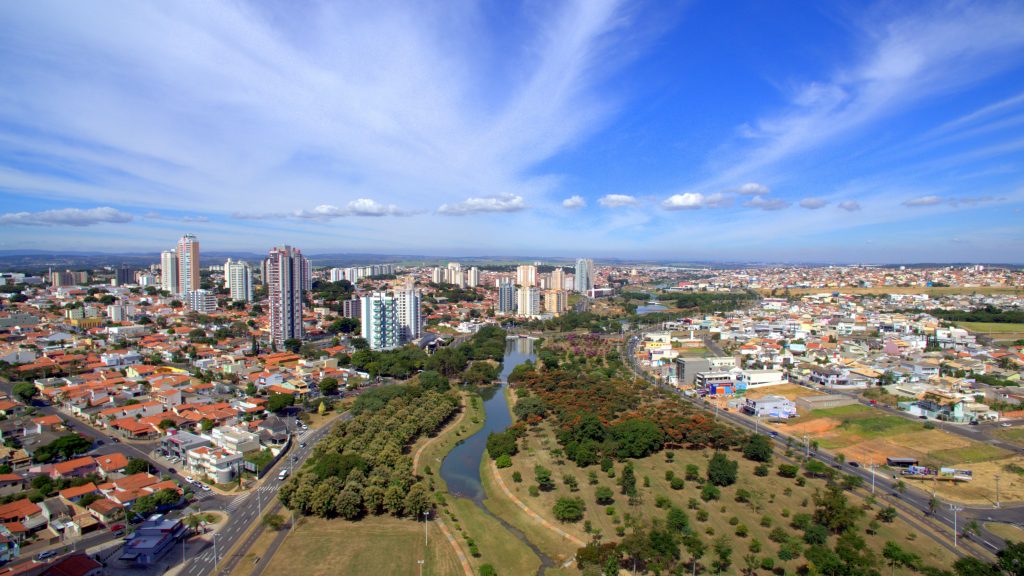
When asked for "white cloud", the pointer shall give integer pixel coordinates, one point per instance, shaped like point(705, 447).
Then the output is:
point(694, 200)
point(500, 203)
point(753, 189)
point(617, 200)
point(358, 207)
point(67, 217)
point(573, 202)
point(930, 200)
point(766, 204)
point(813, 203)
point(849, 205)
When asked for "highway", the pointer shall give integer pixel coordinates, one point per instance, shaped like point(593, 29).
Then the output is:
point(911, 500)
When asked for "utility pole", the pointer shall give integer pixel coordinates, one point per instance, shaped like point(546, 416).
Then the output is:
point(807, 448)
point(420, 562)
point(997, 490)
point(216, 557)
point(872, 478)
point(955, 509)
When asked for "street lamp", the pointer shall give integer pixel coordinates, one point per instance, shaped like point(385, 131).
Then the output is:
point(997, 490)
point(873, 466)
point(425, 515)
point(420, 562)
point(955, 509)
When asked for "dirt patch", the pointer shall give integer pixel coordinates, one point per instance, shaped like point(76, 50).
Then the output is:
point(788, 391)
point(816, 426)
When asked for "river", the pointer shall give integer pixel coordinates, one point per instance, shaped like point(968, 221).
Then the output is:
point(461, 468)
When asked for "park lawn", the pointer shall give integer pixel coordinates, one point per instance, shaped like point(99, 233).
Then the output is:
point(497, 546)
point(374, 545)
point(772, 497)
point(992, 327)
point(1005, 531)
point(975, 452)
point(1010, 434)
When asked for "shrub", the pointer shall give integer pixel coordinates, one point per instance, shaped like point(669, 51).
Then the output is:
point(733, 521)
point(543, 477)
point(721, 470)
point(742, 496)
point(767, 563)
point(788, 470)
point(766, 521)
point(741, 531)
point(692, 472)
point(517, 477)
point(677, 483)
point(887, 514)
point(503, 461)
point(488, 570)
point(709, 492)
point(778, 535)
point(702, 515)
point(534, 491)
point(662, 502)
point(604, 495)
point(761, 470)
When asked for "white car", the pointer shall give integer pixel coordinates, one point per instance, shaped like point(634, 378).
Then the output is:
point(205, 488)
point(189, 479)
point(1006, 424)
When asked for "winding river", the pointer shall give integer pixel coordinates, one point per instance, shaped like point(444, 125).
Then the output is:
point(461, 467)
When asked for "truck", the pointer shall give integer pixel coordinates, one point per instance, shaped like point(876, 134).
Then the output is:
point(283, 475)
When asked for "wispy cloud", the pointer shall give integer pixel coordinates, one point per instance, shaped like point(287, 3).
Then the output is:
point(813, 203)
point(574, 202)
point(921, 201)
point(753, 189)
point(275, 111)
point(501, 203)
point(617, 200)
point(358, 207)
point(67, 217)
point(152, 215)
point(849, 205)
point(763, 203)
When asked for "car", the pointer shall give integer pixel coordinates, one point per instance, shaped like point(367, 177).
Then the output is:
point(283, 475)
point(854, 464)
point(922, 417)
point(189, 479)
point(115, 440)
point(44, 555)
point(172, 470)
point(1006, 424)
point(302, 444)
point(99, 442)
point(973, 422)
point(773, 434)
point(204, 487)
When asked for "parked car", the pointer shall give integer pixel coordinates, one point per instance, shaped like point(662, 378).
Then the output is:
point(189, 480)
point(855, 464)
point(45, 555)
point(1006, 424)
point(172, 470)
point(204, 487)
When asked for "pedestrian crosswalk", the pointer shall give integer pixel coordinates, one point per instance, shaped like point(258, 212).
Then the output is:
point(239, 500)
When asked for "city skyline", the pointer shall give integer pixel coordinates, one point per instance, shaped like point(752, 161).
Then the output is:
point(796, 133)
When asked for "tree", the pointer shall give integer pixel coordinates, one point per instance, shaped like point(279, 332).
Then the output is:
point(723, 554)
point(328, 386)
point(503, 461)
point(887, 514)
point(695, 547)
point(971, 566)
point(278, 402)
point(721, 470)
point(637, 438)
point(677, 520)
point(273, 521)
point(499, 443)
point(25, 391)
point(136, 465)
point(1011, 558)
point(569, 509)
point(897, 556)
point(628, 480)
point(543, 477)
point(348, 505)
point(758, 448)
point(833, 510)
point(293, 345)
point(603, 495)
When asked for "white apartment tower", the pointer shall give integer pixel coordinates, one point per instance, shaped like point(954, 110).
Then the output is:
point(528, 301)
point(473, 277)
point(238, 279)
point(379, 319)
point(584, 279)
point(407, 307)
point(526, 275)
point(169, 271)
point(285, 275)
point(506, 296)
point(557, 279)
point(188, 264)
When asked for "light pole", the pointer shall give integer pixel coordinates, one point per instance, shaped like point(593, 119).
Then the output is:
point(997, 490)
point(807, 448)
point(425, 515)
point(872, 478)
point(420, 562)
point(955, 509)
point(216, 557)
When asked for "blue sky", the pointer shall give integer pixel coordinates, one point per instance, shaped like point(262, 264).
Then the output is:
point(771, 131)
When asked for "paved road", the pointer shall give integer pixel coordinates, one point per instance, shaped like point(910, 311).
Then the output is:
point(916, 499)
point(245, 509)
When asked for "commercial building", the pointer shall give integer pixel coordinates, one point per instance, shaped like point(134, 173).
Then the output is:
point(687, 367)
point(770, 407)
point(238, 279)
point(286, 269)
point(584, 277)
point(151, 540)
point(169, 271)
point(188, 264)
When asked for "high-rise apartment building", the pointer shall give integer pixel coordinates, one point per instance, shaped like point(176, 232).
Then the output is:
point(68, 278)
point(238, 279)
point(379, 321)
point(188, 264)
point(557, 279)
point(584, 279)
point(202, 301)
point(407, 306)
point(125, 275)
point(473, 277)
point(285, 277)
point(526, 275)
point(506, 296)
point(528, 301)
point(169, 271)
point(555, 301)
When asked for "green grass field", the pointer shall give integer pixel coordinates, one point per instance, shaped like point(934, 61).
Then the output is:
point(977, 452)
point(375, 545)
point(1010, 434)
point(992, 327)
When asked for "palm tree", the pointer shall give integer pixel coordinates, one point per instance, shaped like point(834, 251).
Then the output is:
point(933, 505)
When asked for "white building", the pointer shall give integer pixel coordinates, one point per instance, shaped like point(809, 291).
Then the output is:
point(528, 301)
point(473, 277)
point(407, 306)
point(188, 264)
point(526, 275)
point(238, 279)
point(286, 275)
point(202, 301)
point(169, 271)
point(584, 278)
point(379, 319)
